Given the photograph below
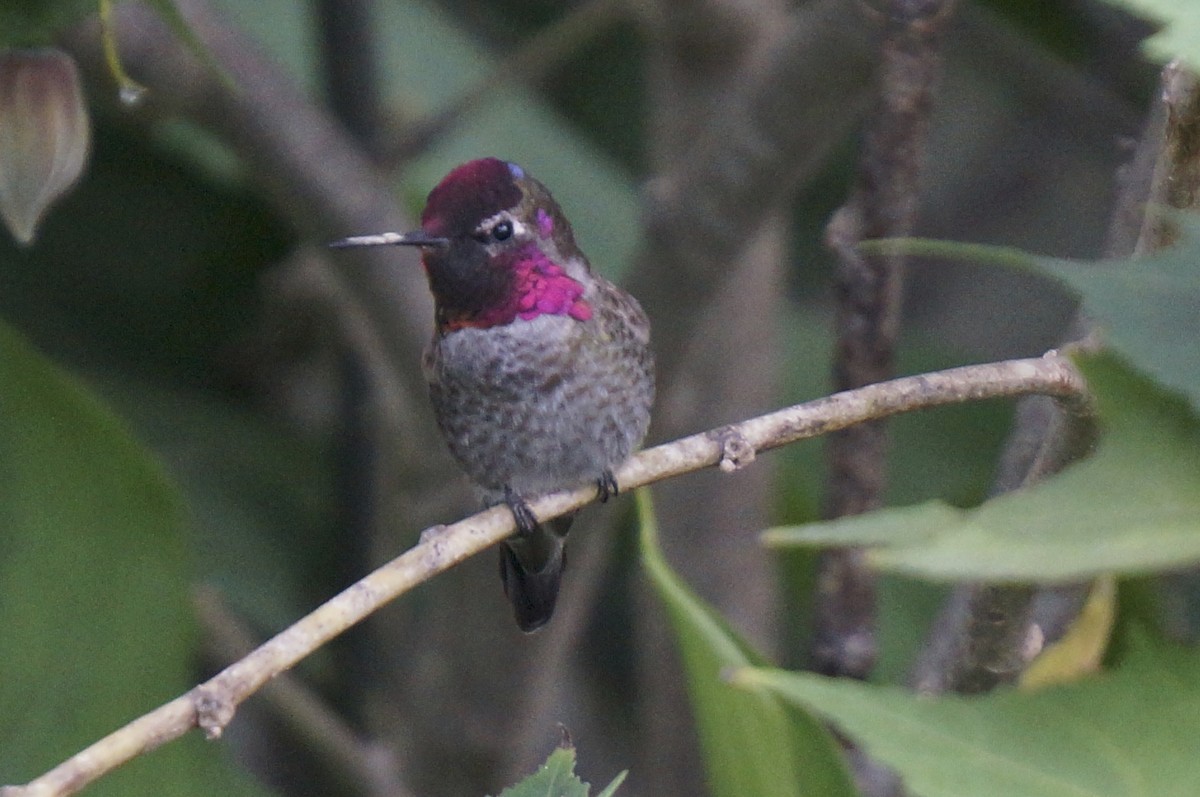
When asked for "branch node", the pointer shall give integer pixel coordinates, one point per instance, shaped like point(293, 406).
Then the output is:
point(211, 706)
point(432, 533)
point(214, 709)
point(736, 451)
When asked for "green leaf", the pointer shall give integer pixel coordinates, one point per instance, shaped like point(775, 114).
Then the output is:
point(1133, 507)
point(93, 587)
point(556, 778)
point(1147, 309)
point(1081, 649)
point(611, 788)
point(25, 23)
point(1128, 732)
point(752, 744)
point(1180, 35)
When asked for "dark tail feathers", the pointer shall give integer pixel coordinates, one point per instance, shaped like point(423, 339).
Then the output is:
point(531, 569)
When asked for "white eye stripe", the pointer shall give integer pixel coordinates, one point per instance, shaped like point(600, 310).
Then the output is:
point(519, 229)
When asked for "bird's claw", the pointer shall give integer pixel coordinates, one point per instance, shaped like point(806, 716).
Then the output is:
point(606, 486)
point(526, 522)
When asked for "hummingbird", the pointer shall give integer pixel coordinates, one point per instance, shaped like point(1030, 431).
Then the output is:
point(540, 371)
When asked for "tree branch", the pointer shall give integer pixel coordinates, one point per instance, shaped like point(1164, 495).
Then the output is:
point(868, 289)
point(979, 639)
point(367, 766)
point(211, 705)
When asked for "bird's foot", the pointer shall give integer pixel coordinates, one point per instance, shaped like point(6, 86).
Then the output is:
point(526, 522)
point(606, 485)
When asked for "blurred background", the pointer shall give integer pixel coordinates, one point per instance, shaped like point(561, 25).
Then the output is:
point(272, 393)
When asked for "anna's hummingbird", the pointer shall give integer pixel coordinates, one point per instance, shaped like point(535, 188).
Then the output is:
point(540, 372)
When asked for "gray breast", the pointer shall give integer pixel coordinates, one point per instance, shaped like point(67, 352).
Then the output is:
point(543, 404)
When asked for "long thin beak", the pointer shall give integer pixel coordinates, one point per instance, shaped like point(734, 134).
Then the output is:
point(415, 238)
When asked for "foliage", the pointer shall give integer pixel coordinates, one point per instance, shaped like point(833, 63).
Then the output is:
point(1082, 648)
point(92, 529)
point(1142, 306)
point(149, 439)
point(24, 23)
point(33, 22)
point(1099, 517)
point(557, 777)
point(1124, 733)
point(752, 744)
point(1180, 28)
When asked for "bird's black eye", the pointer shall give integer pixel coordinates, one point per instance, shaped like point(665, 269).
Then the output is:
point(502, 231)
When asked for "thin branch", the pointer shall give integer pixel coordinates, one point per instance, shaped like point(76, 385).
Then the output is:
point(868, 289)
point(1164, 171)
point(980, 638)
point(211, 705)
point(698, 55)
point(369, 766)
